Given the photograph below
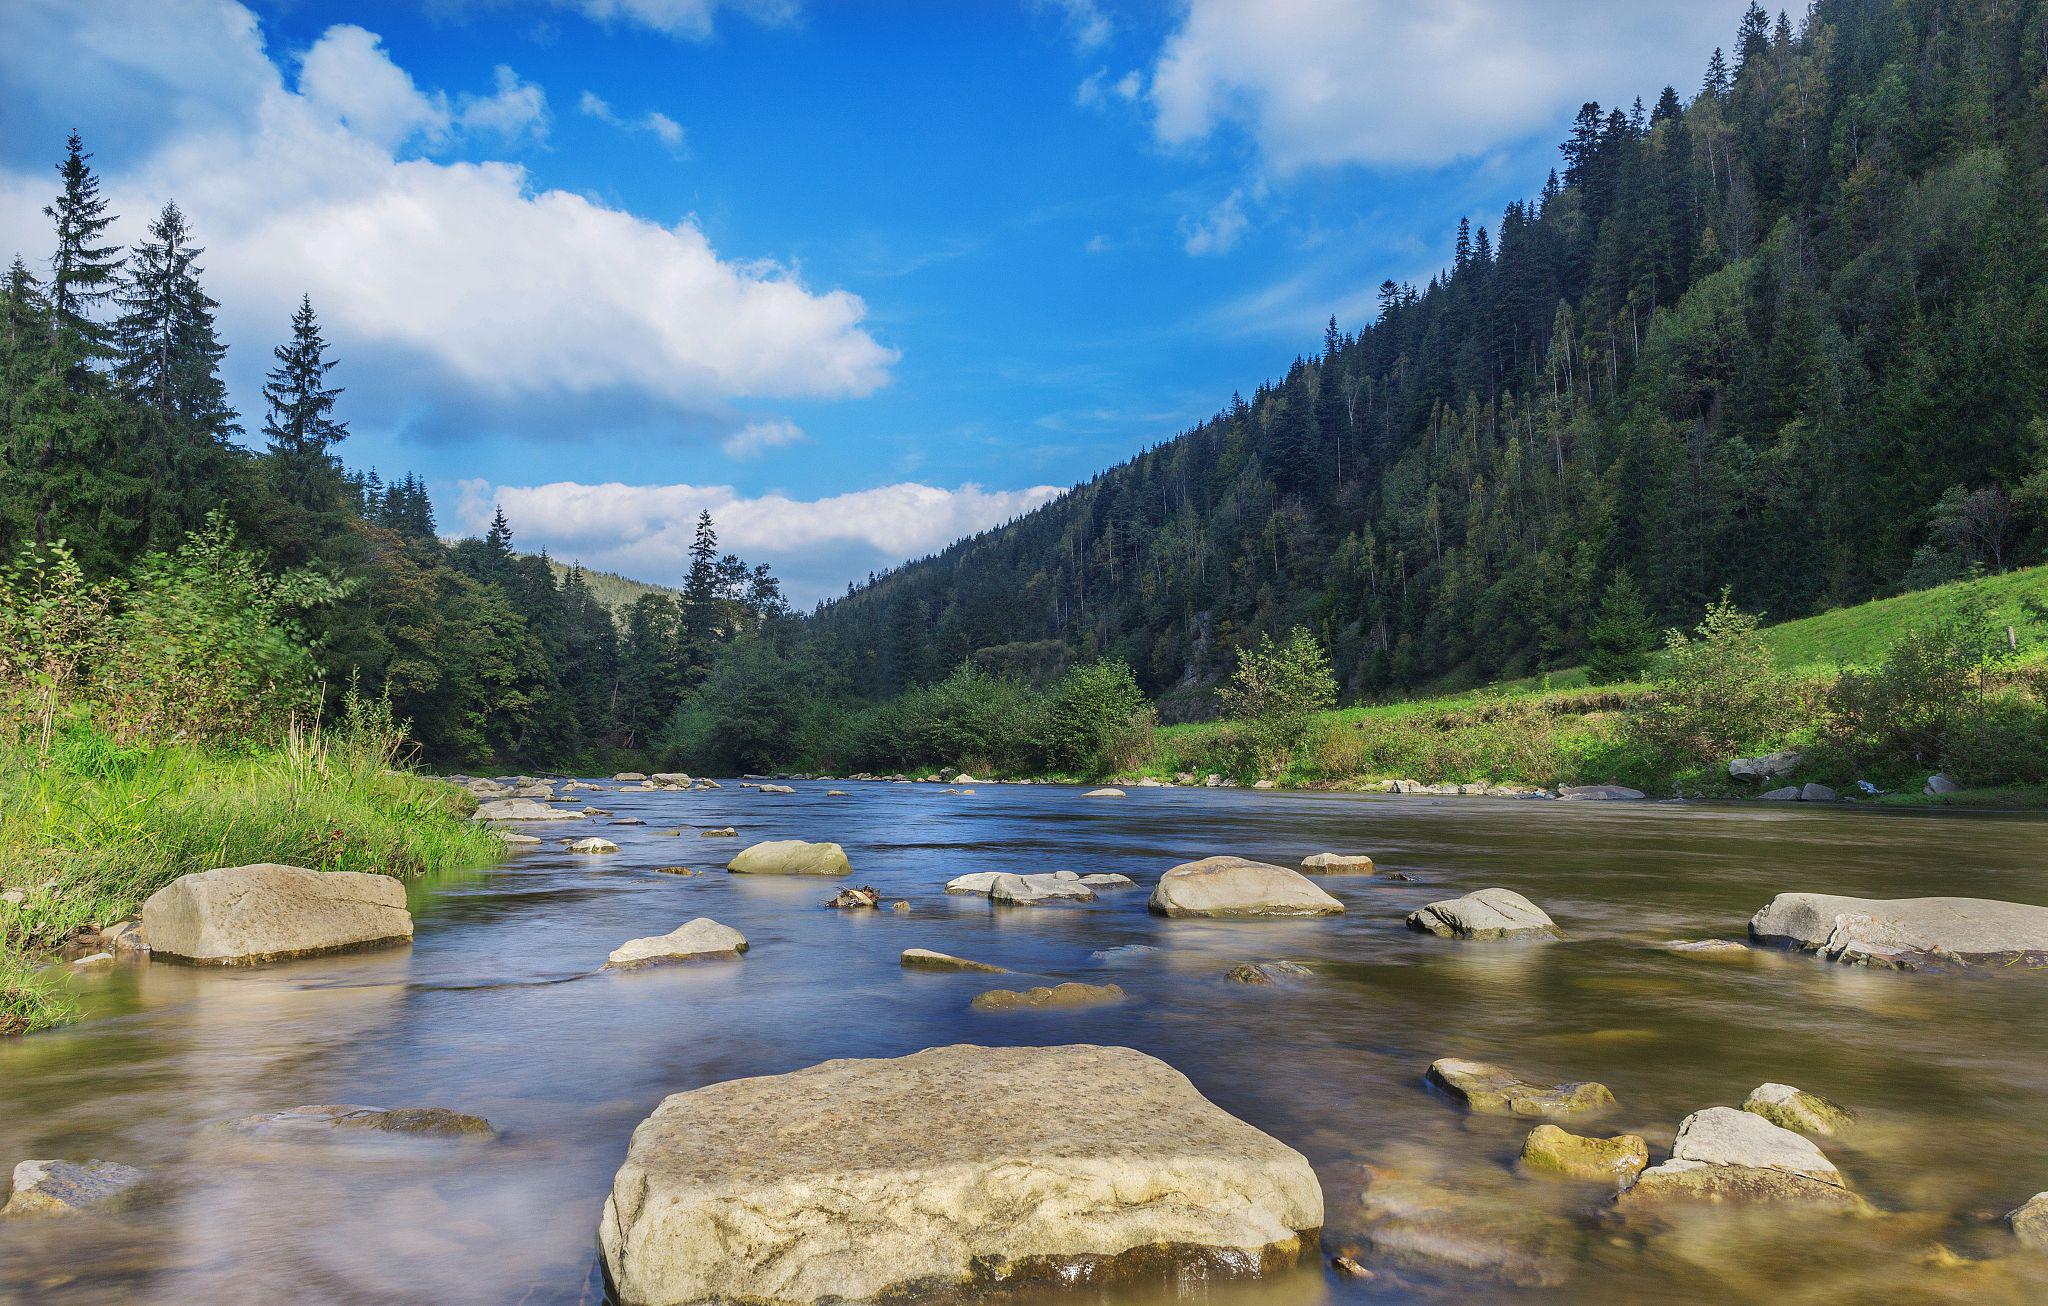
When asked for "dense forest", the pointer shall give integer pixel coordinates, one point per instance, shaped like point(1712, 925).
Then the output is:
point(1785, 337)
point(117, 443)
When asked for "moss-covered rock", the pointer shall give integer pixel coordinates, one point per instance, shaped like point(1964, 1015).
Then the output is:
point(1791, 1108)
point(1550, 1150)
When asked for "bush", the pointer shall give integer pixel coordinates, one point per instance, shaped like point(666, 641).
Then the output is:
point(1716, 694)
point(1097, 721)
point(1907, 711)
point(1276, 692)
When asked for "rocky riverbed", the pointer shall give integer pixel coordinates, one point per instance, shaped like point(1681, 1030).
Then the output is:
point(1803, 1129)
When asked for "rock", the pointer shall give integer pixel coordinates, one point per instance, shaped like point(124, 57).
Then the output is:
point(543, 792)
point(965, 779)
point(669, 778)
point(674, 870)
point(1235, 887)
point(1484, 914)
point(1788, 794)
point(700, 938)
point(627, 820)
point(899, 906)
point(719, 832)
point(1725, 1155)
point(852, 899)
point(1212, 781)
point(1336, 864)
point(1491, 1090)
point(2029, 1222)
point(243, 915)
point(60, 1187)
point(629, 775)
point(93, 961)
point(520, 809)
point(1432, 1225)
point(1551, 1150)
point(900, 1187)
point(419, 1121)
point(593, 844)
point(835, 793)
point(1792, 1108)
point(1109, 880)
point(926, 959)
point(597, 811)
point(1708, 947)
point(776, 789)
point(1110, 792)
point(977, 882)
point(1722, 1135)
point(1817, 793)
point(125, 937)
point(1783, 762)
point(1939, 784)
point(1264, 784)
point(1030, 890)
point(1906, 933)
point(516, 839)
point(1267, 972)
point(1696, 1181)
point(1598, 793)
point(1058, 995)
point(1347, 1268)
point(790, 857)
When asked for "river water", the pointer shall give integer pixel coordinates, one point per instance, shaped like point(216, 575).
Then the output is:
point(497, 1009)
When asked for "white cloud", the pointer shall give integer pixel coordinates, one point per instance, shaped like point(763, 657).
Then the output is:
point(1097, 89)
point(662, 127)
point(1219, 232)
point(1086, 24)
point(1393, 83)
point(470, 284)
point(757, 438)
point(815, 545)
point(691, 19)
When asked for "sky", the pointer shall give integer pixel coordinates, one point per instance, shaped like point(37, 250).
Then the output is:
point(859, 278)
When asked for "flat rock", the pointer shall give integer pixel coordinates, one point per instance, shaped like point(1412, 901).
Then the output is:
point(1493, 1090)
point(1696, 1181)
point(243, 915)
point(1783, 762)
point(1599, 793)
point(1235, 887)
point(776, 789)
point(1722, 1135)
point(1107, 792)
point(627, 820)
point(975, 882)
point(629, 775)
point(1817, 793)
point(1795, 1109)
point(700, 939)
point(901, 1187)
point(1267, 972)
point(1109, 880)
point(1336, 864)
point(60, 1187)
point(418, 1121)
point(521, 809)
point(518, 840)
point(1708, 947)
point(719, 832)
point(593, 844)
point(790, 857)
point(1906, 933)
point(1029, 890)
point(2029, 1222)
point(1550, 1150)
point(926, 959)
point(1070, 994)
point(1484, 914)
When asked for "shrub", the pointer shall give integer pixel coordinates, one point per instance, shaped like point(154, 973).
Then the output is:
point(1276, 691)
point(1097, 720)
point(1907, 711)
point(1715, 694)
point(54, 627)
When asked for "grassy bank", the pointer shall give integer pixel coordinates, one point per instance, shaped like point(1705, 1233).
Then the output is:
point(92, 828)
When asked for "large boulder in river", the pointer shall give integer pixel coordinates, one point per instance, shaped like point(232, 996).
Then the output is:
point(241, 915)
point(1725, 1155)
point(1233, 886)
point(791, 857)
point(2029, 1222)
point(701, 938)
point(1550, 1150)
point(947, 1171)
point(1491, 1090)
point(1906, 933)
point(521, 809)
point(1336, 864)
point(1030, 890)
point(1484, 914)
point(60, 1187)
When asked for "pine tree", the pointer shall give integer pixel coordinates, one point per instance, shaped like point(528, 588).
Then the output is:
point(1623, 635)
point(498, 539)
point(83, 272)
point(169, 354)
point(299, 425)
point(1717, 79)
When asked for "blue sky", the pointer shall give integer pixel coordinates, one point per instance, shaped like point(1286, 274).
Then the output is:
point(858, 277)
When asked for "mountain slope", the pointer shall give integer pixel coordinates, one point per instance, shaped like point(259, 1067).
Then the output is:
point(1788, 337)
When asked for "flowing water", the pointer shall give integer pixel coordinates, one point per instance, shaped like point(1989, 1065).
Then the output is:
point(497, 1009)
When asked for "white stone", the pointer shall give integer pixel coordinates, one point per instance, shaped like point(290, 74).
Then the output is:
point(1235, 887)
point(702, 937)
point(241, 915)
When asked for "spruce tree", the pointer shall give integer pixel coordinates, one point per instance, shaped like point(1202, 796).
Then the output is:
point(1623, 635)
point(83, 271)
point(169, 353)
point(300, 426)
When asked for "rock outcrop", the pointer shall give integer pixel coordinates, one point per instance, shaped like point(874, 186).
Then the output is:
point(1492, 1090)
point(790, 857)
point(1484, 914)
point(700, 939)
point(243, 915)
point(1906, 933)
point(900, 1185)
point(1235, 887)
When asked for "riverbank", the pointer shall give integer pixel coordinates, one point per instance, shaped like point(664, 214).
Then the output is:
point(92, 828)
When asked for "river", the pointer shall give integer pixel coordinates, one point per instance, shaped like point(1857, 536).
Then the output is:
point(497, 1009)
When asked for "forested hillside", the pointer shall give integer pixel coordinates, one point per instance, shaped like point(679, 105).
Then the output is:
point(1784, 336)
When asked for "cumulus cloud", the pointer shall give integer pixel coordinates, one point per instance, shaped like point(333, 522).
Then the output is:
point(691, 19)
point(815, 545)
point(1392, 83)
point(490, 290)
point(1098, 89)
point(657, 124)
point(1220, 230)
point(1087, 26)
point(757, 438)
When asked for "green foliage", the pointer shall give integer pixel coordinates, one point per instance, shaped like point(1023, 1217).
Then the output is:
point(1623, 635)
point(53, 631)
point(32, 997)
point(748, 714)
point(1715, 694)
point(1097, 721)
point(1276, 690)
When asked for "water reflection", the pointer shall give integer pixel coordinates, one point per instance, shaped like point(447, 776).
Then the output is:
point(498, 1010)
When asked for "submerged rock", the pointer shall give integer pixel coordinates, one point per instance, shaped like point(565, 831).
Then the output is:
point(521, 809)
point(242, 915)
point(719, 832)
point(418, 1121)
point(1336, 864)
point(1494, 1090)
point(1109, 880)
point(699, 939)
point(901, 1187)
point(1235, 887)
point(790, 857)
point(1553, 1151)
point(518, 840)
point(1906, 933)
point(855, 899)
point(1599, 793)
point(2029, 1222)
point(1792, 1108)
point(1267, 972)
point(1106, 792)
point(1432, 1225)
point(1070, 994)
point(1708, 947)
point(60, 1187)
point(1484, 914)
point(926, 959)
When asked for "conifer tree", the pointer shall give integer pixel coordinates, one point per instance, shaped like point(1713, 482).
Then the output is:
point(300, 425)
point(83, 271)
point(168, 352)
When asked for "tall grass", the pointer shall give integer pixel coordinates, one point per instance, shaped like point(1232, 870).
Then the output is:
point(91, 827)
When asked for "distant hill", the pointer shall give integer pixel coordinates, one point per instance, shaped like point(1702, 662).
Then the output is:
point(617, 593)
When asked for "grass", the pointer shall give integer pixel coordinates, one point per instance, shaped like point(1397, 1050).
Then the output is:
point(1858, 636)
point(92, 828)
